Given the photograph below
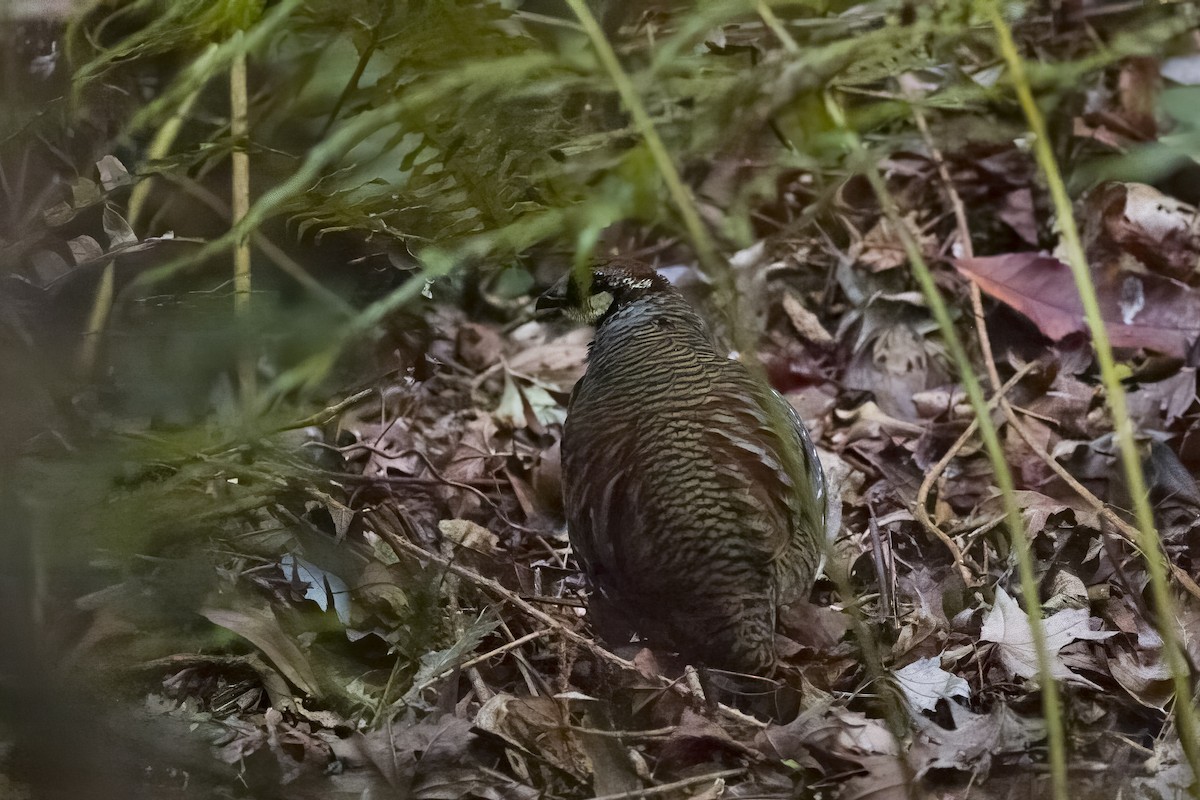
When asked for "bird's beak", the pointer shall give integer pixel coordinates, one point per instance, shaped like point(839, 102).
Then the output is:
point(555, 298)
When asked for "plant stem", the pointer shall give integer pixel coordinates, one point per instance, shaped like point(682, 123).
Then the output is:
point(240, 129)
point(1148, 539)
point(1051, 707)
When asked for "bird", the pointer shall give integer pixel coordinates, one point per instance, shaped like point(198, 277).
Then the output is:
point(694, 498)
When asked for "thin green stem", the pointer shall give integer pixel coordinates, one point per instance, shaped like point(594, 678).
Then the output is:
point(1051, 707)
point(776, 26)
point(1148, 539)
point(681, 195)
point(239, 127)
point(97, 320)
point(102, 303)
point(160, 146)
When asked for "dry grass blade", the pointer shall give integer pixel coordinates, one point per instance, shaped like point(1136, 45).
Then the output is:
point(1148, 540)
point(921, 509)
point(1050, 700)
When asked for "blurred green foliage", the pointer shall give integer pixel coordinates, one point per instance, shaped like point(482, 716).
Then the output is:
point(472, 131)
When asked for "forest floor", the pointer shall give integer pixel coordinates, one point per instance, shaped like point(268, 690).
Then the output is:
point(371, 593)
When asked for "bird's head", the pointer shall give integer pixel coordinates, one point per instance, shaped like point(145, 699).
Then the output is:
point(608, 286)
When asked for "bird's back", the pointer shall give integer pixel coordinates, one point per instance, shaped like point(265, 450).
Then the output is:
point(694, 504)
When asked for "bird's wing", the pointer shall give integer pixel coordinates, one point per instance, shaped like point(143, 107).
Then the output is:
point(764, 438)
point(600, 505)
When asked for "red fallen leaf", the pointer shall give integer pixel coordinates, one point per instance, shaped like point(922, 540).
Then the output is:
point(1147, 311)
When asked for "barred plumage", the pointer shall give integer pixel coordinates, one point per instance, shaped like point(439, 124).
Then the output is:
point(695, 502)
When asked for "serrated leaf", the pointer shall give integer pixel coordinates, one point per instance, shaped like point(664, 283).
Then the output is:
point(1007, 625)
point(435, 663)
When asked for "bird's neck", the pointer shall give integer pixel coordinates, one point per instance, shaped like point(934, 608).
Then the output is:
point(648, 325)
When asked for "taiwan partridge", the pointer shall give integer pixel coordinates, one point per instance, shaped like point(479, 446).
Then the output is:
point(694, 498)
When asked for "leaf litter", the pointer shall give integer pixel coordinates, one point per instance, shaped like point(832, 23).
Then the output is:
point(401, 615)
point(506, 693)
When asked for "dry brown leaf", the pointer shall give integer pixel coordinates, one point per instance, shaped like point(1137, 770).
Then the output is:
point(882, 249)
point(1018, 212)
point(894, 366)
point(1144, 675)
point(1007, 625)
point(540, 725)
point(885, 778)
point(471, 535)
point(1138, 87)
point(975, 740)
point(478, 346)
point(1159, 232)
point(559, 361)
point(405, 754)
point(613, 770)
point(924, 683)
point(697, 740)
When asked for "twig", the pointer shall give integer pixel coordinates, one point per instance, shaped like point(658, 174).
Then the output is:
point(920, 510)
point(326, 414)
point(654, 733)
point(359, 479)
point(1127, 531)
point(504, 648)
point(691, 679)
point(474, 662)
point(882, 572)
point(443, 479)
point(922, 513)
point(670, 787)
point(482, 690)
